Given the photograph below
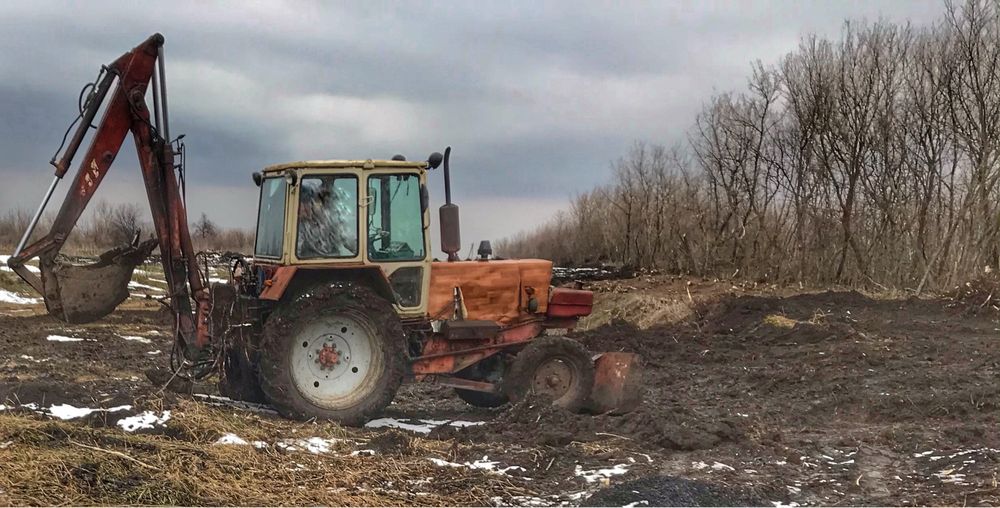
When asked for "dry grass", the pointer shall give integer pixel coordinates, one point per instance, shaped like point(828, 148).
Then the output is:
point(779, 321)
point(48, 462)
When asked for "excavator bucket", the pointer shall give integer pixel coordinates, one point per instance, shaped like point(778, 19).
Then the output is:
point(84, 293)
point(617, 383)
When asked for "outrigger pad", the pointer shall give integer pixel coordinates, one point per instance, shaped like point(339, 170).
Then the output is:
point(85, 293)
point(617, 383)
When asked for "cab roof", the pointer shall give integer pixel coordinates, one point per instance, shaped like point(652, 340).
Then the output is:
point(364, 164)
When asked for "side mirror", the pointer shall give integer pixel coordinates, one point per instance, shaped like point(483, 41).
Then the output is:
point(257, 178)
point(434, 160)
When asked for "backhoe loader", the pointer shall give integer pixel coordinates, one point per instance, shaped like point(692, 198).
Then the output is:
point(341, 301)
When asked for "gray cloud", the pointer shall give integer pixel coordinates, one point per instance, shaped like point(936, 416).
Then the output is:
point(536, 98)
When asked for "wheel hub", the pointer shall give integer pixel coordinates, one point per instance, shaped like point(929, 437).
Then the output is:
point(553, 378)
point(328, 357)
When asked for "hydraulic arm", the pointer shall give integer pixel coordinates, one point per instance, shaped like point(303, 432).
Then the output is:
point(79, 294)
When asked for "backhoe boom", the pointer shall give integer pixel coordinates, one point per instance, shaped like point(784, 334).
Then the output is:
point(85, 293)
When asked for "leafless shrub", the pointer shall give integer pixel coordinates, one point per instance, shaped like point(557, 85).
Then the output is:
point(871, 160)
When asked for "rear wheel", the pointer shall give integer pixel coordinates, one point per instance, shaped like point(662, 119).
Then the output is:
point(335, 353)
point(557, 368)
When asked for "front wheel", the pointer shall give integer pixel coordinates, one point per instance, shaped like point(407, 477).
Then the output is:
point(335, 353)
point(557, 368)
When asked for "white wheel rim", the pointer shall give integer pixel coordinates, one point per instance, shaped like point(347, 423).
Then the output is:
point(336, 360)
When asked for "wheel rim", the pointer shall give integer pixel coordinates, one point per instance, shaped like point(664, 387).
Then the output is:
point(554, 378)
point(336, 360)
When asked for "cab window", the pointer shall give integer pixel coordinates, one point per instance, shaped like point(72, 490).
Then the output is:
point(328, 223)
point(270, 218)
point(395, 218)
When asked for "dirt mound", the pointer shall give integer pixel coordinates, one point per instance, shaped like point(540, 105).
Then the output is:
point(538, 422)
point(978, 295)
point(670, 491)
point(391, 442)
point(622, 335)
point(737, 315)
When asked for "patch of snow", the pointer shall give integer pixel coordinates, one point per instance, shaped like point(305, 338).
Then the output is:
point(779, 504)
point(215, 400)
point(443, 463)
point(594, 475)
point(636, 503)
point(355, 453)
point(5, 268)
point(156, 352)
point(717, 466)
point(231, 439)
point(135, 285)
point(5, 444)
point(950, 476)
point(68, 412)
point(421, 426)
point(144, 420)
point(490, 465)
point(529, 501)
point(63, 338)
point(484, 463)
point(33, 359)
point(11, 297)
point(314, 445)
point(136, 338)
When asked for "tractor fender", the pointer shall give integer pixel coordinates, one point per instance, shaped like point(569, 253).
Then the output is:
point(287, 282)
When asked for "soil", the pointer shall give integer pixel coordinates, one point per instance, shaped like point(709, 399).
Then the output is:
point(754, 395)
point(670, 491)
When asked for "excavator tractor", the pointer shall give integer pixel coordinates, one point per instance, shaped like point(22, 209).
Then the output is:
point(341, 301)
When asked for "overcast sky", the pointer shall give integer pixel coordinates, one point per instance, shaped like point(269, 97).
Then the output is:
point(536, 98)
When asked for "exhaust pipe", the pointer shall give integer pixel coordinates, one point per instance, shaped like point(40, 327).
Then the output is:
point(451, 238)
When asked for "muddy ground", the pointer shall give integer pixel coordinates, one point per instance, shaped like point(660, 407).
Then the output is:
point(755, 395)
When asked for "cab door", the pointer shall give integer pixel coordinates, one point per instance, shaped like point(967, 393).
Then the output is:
point(396, 236)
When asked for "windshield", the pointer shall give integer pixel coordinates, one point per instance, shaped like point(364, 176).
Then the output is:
point(328, 224)
point(395, 218)
point(270, 218)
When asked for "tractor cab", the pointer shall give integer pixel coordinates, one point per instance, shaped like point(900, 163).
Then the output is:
point(365, 219)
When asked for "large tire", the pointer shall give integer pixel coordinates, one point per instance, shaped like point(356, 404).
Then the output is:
point(558, 368)
point(363, 355)
point(239, 380)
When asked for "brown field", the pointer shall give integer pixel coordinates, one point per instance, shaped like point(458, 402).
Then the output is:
point(760, 394)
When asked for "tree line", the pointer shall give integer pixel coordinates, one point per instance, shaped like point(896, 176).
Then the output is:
point(872, 159)
point(108, 226)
